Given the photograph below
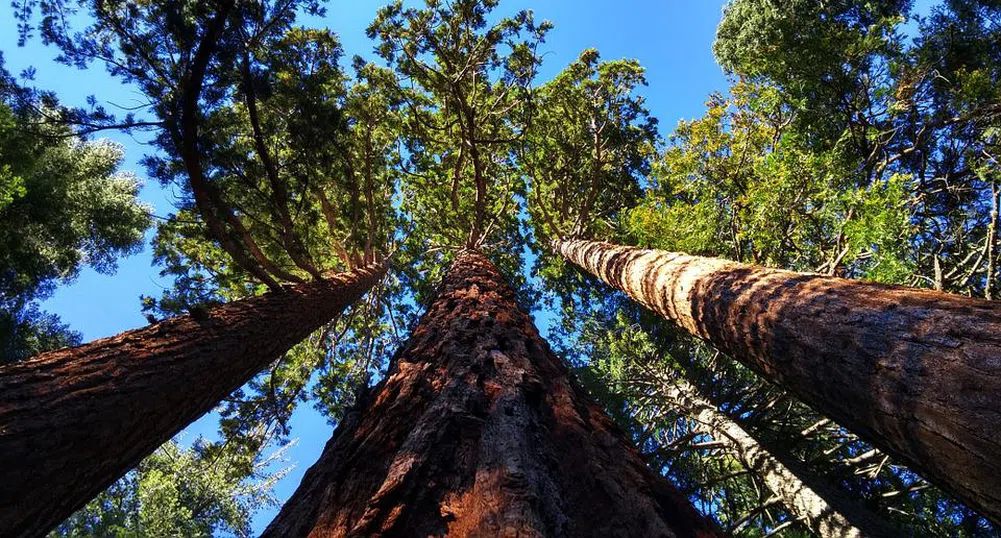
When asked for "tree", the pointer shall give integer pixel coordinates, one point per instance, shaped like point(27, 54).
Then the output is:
point(776, 322)
point(63, 205)
point(858, 164)
point(745, 182)
point(827, 55)
point(101, 407)
point(464, 118)
point(926, 110)
point(825, 511)
point(590, 139)
point(764, 177)
point(245, 165)
point(477, 429)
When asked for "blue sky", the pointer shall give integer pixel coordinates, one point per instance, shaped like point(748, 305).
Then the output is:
point(671, 38)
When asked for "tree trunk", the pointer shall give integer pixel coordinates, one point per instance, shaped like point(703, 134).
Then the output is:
point(478, 430)
point(827, 512)
point(73, 421)
point(915, 372)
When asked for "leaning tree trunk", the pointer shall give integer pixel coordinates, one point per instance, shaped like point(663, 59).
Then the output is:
point(827, 512)
point(73, 421)
point(915, 372)
point(478, 430)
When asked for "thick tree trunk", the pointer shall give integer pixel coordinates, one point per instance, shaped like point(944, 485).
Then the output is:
point(73, 421)
point(478, 430)
point(917, 373)
point(827, 512)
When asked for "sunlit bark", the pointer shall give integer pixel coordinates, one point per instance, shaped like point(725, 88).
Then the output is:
point(915, 372)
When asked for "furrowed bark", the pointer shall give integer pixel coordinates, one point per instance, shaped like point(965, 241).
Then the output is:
point(73, 421)
point(825, 511)
point(478, 430)
point(914, 372)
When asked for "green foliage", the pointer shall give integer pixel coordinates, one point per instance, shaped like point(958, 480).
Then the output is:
point(590, 143)
point(25, 331)
point(842, 147)
point(64, 205)
point(741, 183)
point(470, 82)
point(69, 206)
point(820, 53)
point(588, 150)
point(183, 492)
point(925, 108)
point(286, 167)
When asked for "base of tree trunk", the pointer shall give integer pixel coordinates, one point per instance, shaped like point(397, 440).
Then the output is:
point(478, 430)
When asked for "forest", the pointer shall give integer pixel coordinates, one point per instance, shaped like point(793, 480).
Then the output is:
point(521, 304)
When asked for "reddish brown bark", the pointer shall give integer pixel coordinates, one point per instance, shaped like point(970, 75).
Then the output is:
point(73, 421)
point(478, 430)
point(915, 372)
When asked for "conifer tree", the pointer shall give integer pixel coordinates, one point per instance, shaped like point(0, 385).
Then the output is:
point(64, 205)
point(477, 428)
point(751, 307)
point(845, 161)
point(245, 165)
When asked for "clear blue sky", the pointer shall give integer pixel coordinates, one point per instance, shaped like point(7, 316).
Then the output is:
point(671, 38)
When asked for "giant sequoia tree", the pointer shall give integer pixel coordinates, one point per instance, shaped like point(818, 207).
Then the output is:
point(246, 164)
point(478, 430)
point(781, 195)
point(926, 358)
point(745, 182)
